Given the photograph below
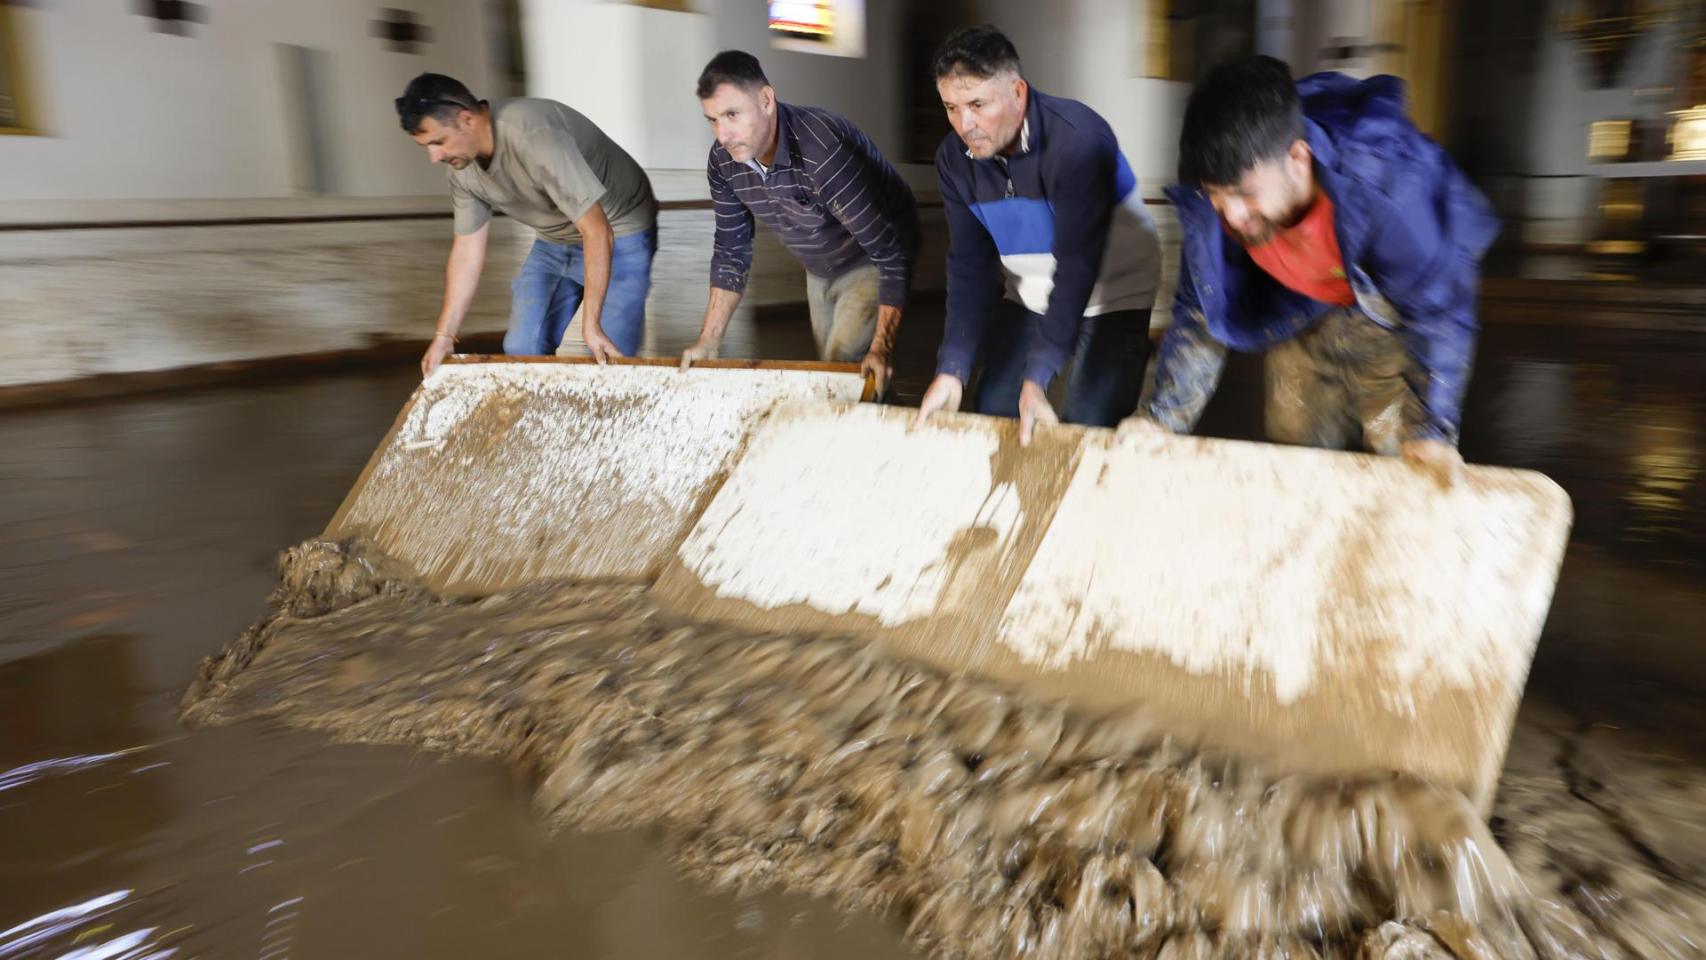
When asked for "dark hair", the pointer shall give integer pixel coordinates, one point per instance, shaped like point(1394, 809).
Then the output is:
point(1242, 113)
point(433, 95)
point(731, 66)
point(980, 52)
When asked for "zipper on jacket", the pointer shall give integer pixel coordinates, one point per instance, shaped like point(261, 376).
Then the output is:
point(1006, 171)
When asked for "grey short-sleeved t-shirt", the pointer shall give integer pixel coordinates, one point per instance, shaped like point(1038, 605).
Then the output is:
point(549, 166)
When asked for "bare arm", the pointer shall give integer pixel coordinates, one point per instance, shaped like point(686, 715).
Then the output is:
point(878, 365)
point(599, 244)
point(718, 310)
point(731, 259)
point(461, 279)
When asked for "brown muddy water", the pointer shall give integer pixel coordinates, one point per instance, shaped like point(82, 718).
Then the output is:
point(137, 538)
point(993, 824)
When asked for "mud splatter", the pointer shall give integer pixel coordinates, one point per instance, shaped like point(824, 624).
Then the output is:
point(994, 823)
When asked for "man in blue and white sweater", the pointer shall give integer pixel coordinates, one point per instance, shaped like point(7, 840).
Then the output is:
point(1038, 197)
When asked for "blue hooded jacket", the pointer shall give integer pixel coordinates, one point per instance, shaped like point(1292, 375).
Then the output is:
point(1411, 228)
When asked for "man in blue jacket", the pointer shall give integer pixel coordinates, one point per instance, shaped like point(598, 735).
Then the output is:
point(1322, 228)
point(1038, 199)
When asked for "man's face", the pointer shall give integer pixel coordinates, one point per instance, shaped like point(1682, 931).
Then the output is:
point(987, 113)
point(1272, 195)
point(740, 119)
point(453, 142)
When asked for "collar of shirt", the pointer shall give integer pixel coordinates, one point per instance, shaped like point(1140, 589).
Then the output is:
point(784, 149)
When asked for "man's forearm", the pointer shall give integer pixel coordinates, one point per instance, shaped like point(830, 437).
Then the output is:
point(1438, 378)
point(888, 323)
point(1187, 370)
point(600, 249)
point(719, 309)
point(461, 280)
point(1057, 332)
point(971, 299)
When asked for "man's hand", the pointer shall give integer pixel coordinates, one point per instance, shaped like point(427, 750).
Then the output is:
point(1138, 425)
point(1436, 457)
point(603, 350)
point(877, 368)
point(705, 348)
point(1034, 411)
point(442, 346)
point(944, 394)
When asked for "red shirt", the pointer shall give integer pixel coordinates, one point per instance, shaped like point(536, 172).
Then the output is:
point(1306, 257)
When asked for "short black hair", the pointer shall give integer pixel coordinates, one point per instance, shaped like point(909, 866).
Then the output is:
point(433, 95)
point(731, 66)
point(1245, 111)
point(980, 52)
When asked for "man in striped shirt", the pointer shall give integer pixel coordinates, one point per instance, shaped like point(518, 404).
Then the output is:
point(821, 186)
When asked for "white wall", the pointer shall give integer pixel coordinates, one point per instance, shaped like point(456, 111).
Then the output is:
point(141, 125)
point(632, 70)
point(129, 113)
point(1091, 51)
point(1145, 112)
point(600, 59)
point(868, 90)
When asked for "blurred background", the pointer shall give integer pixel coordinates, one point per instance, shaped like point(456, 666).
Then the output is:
point(190, 182)
point(220, 260)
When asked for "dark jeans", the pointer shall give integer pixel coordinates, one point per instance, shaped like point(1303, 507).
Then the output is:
point(1103, 378)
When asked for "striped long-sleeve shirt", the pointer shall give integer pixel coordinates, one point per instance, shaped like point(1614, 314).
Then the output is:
point(829, 196)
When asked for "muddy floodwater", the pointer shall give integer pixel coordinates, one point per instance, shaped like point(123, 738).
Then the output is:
point(137, 538)
point(991, 823)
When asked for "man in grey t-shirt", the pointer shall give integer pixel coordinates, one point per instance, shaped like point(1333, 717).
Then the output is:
point(549, 167)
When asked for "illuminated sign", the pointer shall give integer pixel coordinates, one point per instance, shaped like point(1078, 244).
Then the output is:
point(803, 19)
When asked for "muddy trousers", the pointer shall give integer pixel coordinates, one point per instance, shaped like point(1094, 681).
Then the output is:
point(844, 313)
point(1340, 384)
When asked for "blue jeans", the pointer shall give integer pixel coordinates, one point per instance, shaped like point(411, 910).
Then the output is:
point(549, 288)
point(1103, 378)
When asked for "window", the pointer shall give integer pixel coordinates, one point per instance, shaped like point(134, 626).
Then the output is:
point(1168, 39)
point(13, 116)
point(1688, 134)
